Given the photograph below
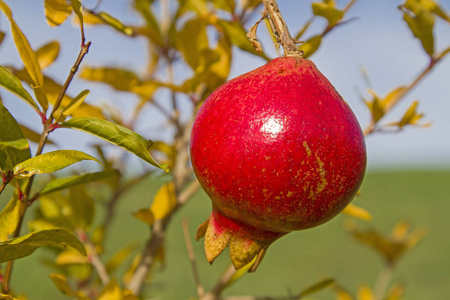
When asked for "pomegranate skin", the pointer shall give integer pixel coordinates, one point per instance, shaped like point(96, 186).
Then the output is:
point(277, 150)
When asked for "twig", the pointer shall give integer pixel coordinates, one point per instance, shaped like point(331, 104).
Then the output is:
point(191, 254)
point(382, 282)
point(214, 294)
point(280, 29)
point(44, 135)
point(94, 259)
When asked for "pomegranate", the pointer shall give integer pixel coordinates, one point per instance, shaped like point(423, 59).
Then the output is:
point(277, 150)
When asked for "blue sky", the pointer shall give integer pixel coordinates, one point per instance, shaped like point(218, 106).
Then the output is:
point(377, 39)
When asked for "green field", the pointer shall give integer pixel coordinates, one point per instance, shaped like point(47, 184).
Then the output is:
point(300, 258)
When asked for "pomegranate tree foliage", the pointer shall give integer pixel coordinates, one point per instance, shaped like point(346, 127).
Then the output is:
point(65, 205)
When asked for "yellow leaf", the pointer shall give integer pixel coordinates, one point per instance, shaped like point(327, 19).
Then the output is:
point(311, 46)
point(416, 236)
point(400, 231)
point(120, 257)
point(56, 11)
point(357, 212)
point(28, 57)
point(375, 106)
point(393, 96)
point(342, 294)
point(47, 54)
point(111, 292)
point(365, 293)
point(164, 201)
point(78, 9)
point(240, 272)
point(396, 292)
point(7, 297)
point(70, 257)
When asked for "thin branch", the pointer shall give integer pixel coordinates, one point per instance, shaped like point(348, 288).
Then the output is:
point(382, 282)
point(191, 254)
point(94, 259)
point(280, 29)
point(216, 291)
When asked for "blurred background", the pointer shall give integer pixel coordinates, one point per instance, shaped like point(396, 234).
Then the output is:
point(409, 171)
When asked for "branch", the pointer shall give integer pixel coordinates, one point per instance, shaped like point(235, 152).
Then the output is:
point(280, 29)
point(214, 294)
point(191, 253)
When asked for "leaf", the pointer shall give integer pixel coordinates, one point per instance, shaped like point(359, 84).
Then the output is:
point(393, 96)
point(396, 292)
point(10, 132)
point(238, 36)
point(145, 215)
point(375, 106)
point(61, 114)
point(56, 11)
point(342, 294)
point(7, 297)
point(28, 57)
point(421, 22)
point(9, 217)
point(25, 245)
point(317, 287)
point(63, 286)
point(115, 134)
point(151, 28)
point(240, 272)
point(113, 22)
point(13, 84)
point(328, 10)
point(311, 46)
point(77, 8)
point(2, 36)
point(70, 257)
point(47, 54)
point(20, 144)
point(226, 5)
point(192, 39)
point(164, 201)
point(365, 293)
point(50, 162)
point(410, 116)
point(71, 181)
point(79, 208)
point(111, 291)
point(357, 212)
point(120, 257)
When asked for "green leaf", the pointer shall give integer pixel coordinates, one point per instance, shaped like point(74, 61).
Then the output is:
point(28, 57)
point(56, 11)
point(311, 46)
point(117, 135)
point(66, 182)
point(25, 245)
point(10, 132)
point(238, 36)
point(50, 162)
point(13, 84)
point(47, 54)
point(20, 144)
point(328, 10)
point(60, 281)
point(9, 217)
point(77, 8)
point(317, 287)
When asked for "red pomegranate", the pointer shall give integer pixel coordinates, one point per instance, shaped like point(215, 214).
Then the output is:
point(277, 150)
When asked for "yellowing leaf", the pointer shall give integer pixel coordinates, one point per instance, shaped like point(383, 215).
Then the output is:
point(7, 297)
point(50, 162)
point(107, 19)
point(63, 286)
point(375, 106)
point(164, 201)
point(400, 231)
point(2, 36)
point(121, 256)
point(328, 10)
point(78, 10)
point(115, 134)
point(47, 54)
point(56, 11)
point(28, 57)
point(357, 212)
point(25, 245)
point(365, 293)
point(61, 114)
point(9, 217)
point(342, 294)
point(240, 272)
point(421, 23)
point(396, 292)
point(145, 215)
point(311, 46)
point(111, 292)
point(13, 84)
point(393, 96)
point(70, 257)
